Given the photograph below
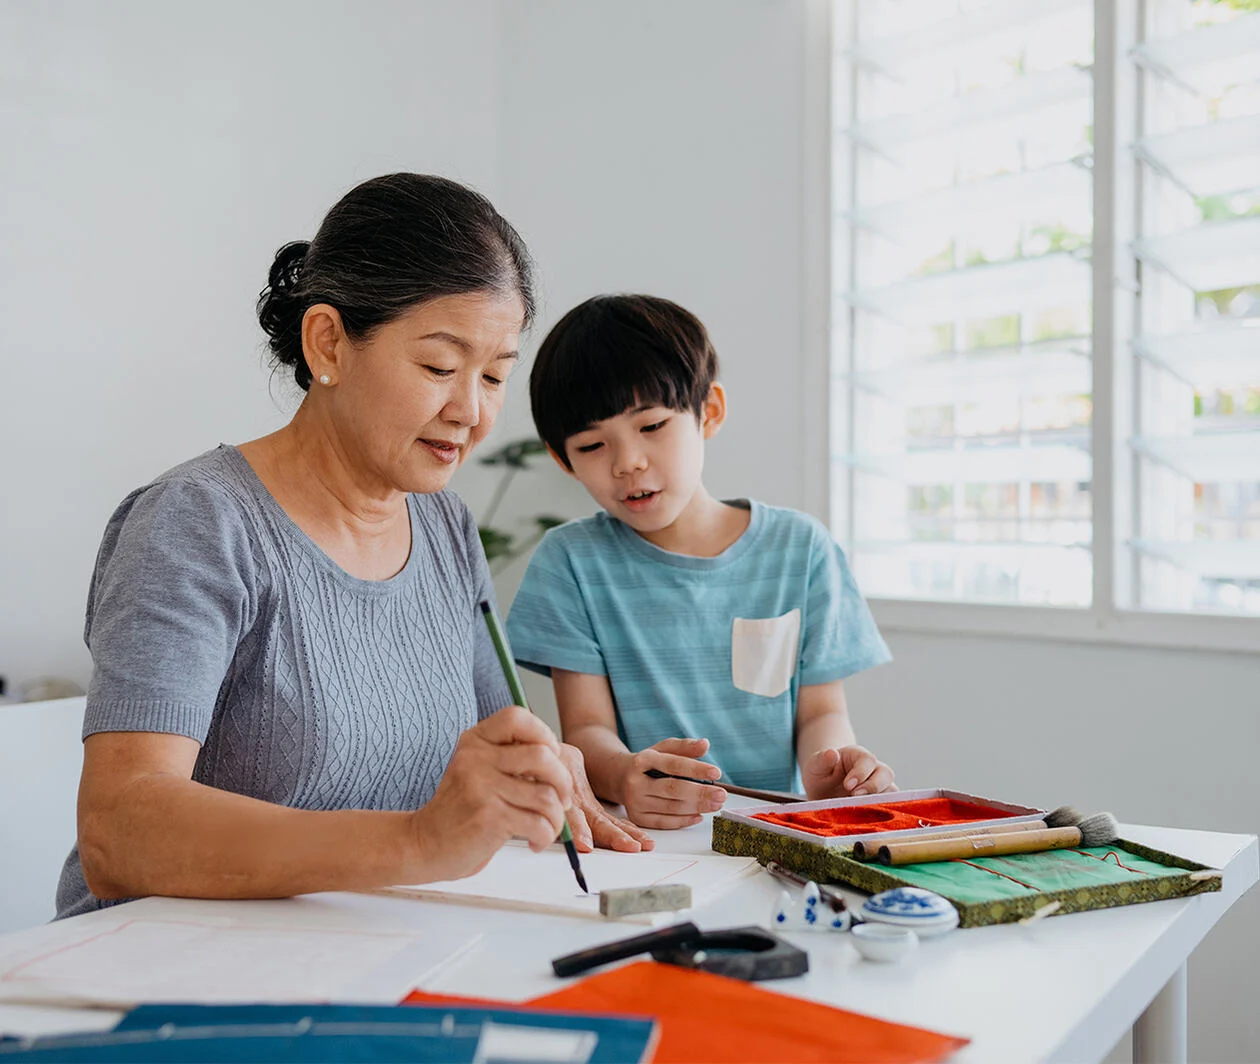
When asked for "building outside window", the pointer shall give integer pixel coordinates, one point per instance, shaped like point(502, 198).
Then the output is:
point(1046, 302)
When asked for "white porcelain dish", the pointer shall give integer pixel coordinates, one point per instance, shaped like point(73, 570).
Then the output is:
point(883, 942)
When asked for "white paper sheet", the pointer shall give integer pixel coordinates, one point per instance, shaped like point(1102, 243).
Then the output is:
point(214, 961)
point(518, 878)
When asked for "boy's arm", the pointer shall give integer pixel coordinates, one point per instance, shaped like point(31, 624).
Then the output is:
point(588, 720)
point(832, 764)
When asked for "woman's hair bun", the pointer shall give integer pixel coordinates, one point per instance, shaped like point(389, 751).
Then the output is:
point(388, 245)
point(281, 308)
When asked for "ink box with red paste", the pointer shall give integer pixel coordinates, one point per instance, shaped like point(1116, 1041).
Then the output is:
point(840, 822)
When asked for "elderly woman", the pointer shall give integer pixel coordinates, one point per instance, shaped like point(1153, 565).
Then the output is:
point(293, 689)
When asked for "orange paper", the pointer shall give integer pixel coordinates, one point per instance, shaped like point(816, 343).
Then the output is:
point(423, 997)
point(711, 1018)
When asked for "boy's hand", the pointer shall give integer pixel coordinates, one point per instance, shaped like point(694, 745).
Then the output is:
point(670, 803)
point(851, 770)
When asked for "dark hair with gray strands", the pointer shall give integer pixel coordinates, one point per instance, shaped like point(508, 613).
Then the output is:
point(388, 245)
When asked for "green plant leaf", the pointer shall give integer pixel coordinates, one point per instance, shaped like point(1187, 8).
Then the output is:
point(515, 454)
point(496, 544)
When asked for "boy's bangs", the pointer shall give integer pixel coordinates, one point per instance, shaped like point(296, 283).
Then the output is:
point(623, 380)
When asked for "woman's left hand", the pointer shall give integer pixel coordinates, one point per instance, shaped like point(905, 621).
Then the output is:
point(592, 825)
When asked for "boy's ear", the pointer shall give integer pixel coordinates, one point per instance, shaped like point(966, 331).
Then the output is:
point(713, 413)
point(560, 461)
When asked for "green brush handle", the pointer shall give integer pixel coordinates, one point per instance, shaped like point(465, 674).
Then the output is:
point(512, 676)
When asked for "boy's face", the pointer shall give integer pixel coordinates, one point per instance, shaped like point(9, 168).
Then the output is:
point(644, 466)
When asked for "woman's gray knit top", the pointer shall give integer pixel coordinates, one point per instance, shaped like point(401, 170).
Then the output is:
point(212, 615)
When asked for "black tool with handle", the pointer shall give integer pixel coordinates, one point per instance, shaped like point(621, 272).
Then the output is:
point(748, 953)
point(585, 959)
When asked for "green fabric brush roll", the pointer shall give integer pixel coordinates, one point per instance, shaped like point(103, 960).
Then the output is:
point(991, 890)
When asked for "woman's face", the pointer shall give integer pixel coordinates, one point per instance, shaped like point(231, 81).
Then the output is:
point(412, 401)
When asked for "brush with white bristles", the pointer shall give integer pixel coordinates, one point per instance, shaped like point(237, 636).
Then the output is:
point(1066, 816)
point(1065, 828)
point(1063, 817)
point(1101, 829)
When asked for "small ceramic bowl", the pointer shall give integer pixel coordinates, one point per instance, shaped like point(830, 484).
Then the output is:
point(883, 942)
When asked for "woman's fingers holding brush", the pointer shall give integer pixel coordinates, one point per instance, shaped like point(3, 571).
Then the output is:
point(539, 764)
point(505, 778)
point(532, 811)
point(515, 724)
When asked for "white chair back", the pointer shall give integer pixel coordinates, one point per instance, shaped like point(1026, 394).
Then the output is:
point(41, 757)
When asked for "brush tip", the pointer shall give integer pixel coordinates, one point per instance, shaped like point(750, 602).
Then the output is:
point(485, 606)
point(1064, 817)
point(571, 851)
point(1100, 829)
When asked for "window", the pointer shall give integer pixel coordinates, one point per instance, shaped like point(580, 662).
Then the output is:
point(979, 453)
point(1197, 336)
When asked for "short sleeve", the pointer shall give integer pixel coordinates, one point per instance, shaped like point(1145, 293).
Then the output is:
point(549, 625)
point(840, 637)
point(489, 682)
point(171, 597)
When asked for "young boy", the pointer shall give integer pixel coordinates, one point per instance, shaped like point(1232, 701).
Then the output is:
point(672, 613)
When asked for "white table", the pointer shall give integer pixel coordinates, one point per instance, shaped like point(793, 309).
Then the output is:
point(1061, 989)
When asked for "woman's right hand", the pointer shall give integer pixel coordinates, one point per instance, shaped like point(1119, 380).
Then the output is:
point(670, 803)
point(504, 780)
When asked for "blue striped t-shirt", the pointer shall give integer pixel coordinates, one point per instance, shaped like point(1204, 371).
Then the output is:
point(713, 648)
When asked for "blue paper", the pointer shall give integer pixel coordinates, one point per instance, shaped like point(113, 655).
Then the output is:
point(421, 1033)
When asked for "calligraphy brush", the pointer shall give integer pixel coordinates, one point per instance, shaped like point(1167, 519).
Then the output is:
point(1101, 829)
point(1064, 816)
point(730, 788)
point(518, 696)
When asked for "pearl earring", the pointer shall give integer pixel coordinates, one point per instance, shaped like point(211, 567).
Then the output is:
point(325, 379)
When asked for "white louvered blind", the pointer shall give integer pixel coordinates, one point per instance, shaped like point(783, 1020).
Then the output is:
point(1197, 348)
point(962, 316)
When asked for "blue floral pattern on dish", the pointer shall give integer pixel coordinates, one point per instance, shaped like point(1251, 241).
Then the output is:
point(913, 903)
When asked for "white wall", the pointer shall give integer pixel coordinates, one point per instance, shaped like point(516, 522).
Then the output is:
point(657, 148)
point(155, 156)
point(650, 146)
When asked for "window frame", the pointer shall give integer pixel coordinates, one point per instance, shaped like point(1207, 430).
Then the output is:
point(1108, 620)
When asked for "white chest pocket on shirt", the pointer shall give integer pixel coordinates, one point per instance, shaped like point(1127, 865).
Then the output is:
point(763, 653)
